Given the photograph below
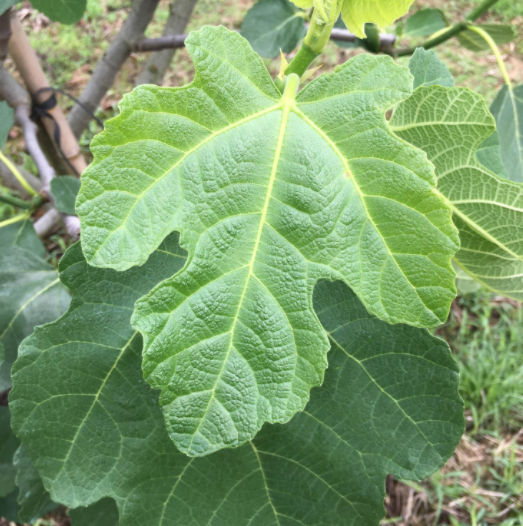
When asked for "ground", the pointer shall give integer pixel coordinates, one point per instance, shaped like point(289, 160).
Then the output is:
point(483, 482)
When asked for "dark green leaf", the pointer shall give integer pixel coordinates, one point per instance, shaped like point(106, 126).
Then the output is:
point(428, 70)
point(9, 506)
point(30, 294)
point(271, 25)
point(6, 119)
point(22, 234)
point(424, 23)
point(64, 189)
point(8, 445)
point(63, 11)
point(33, 498)
point(475, 42)
point(507, 109)
point(101, 513)
point(389, 405)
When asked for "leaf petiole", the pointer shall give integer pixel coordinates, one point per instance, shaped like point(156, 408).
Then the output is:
point(497, 53)
point(17, 174)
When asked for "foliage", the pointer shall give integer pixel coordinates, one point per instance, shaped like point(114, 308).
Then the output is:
point(407, 378)
point(64, 191)
point(273, 191)
point(63, 11)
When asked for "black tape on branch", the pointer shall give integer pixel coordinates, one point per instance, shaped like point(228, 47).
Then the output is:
point(39, 110)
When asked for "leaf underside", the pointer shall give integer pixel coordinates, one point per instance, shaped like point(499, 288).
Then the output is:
point(428, 70)
point(270, 194)
point(450, 125)
point(389, 404)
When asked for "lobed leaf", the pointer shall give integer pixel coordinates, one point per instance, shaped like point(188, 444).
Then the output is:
point(389, 404)
point(273, 25)
point(450, 124)
point(270, 194)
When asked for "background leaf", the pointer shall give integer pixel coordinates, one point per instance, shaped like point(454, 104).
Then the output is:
point(428, 70)
point(63, 11)
point(33, 498)
point(8, 445)
point(30, 294)
point(6, 117)
point(102, 513)
point(425, 22)
point(475, 42)
point(64, 189)
point(22, 234)
point(507, 109)
point(271, 25)
point(450, 124)
point(489, 155)
point(105, 435)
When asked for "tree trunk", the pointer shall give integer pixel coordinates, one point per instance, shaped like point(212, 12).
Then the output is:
point(103, 77)
point(159, 61)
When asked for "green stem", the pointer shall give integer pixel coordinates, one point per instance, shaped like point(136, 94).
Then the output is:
point(452, 31)
point(14, 201)
point(301, 61)
point(14, 219)
point(497, 53)
point(17, 174)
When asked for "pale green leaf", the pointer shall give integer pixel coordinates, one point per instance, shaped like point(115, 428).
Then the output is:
point(507, 109)
point(22, 234)
point(33, 498)
point(7, 4)
point(271, 25)
point(425, 22)
point(30, 295)
point(475, 42)
point(102, 513)
point(8, 445)
point(450, 124)
point(271, 194)
point(63, 11)
point(428, 70)
point(64, 190)
point(356, 13)
point(389, 404)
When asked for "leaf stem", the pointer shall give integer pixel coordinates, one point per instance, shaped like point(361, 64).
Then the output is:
point(17, 174)
point(452, 31)
point(14, 201)
point(497, 53)
point(14, 219)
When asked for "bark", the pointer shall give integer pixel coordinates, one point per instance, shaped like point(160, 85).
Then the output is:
point(159, 61)
point(103, 77)
point(28, 65)
point(5, 33)
point(178, 41)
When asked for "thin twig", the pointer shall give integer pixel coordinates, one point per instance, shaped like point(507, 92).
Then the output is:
point(178, 41)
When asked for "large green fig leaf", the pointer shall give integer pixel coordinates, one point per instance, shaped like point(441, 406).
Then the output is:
point(507, 108)
point(270, 194)
point(30, 294)
point(389, 404)
point(450, 124)
point(273, 25)
point(63, 11)
point(101, 513)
